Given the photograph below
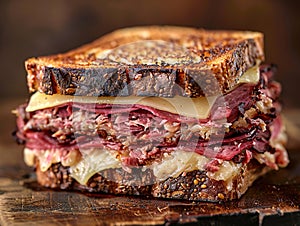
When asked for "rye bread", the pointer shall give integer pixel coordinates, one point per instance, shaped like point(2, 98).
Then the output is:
point(149, 61)
point(194, 185)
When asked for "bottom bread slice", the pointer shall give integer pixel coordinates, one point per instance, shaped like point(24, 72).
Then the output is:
point(194, 185)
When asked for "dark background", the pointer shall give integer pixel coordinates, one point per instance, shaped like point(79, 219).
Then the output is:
point(37, 27)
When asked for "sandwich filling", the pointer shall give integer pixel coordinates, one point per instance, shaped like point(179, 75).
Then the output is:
point(170, 136)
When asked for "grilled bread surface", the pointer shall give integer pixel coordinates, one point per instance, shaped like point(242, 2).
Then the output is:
point(194, 185)
point(149, 61)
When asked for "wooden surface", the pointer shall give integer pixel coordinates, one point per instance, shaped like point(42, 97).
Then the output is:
point(273, 200)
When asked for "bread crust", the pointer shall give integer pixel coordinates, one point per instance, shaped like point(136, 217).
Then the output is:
point(149, 61)
point(194, 185)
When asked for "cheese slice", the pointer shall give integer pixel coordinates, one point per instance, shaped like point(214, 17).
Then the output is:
point(190, 107)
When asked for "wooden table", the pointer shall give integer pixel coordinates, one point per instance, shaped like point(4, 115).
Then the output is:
point(273, 200)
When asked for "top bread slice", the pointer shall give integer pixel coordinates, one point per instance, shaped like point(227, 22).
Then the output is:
point(149, 61)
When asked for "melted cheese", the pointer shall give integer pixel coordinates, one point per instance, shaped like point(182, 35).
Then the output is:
point(177, 162)
point(189, 107)
point(95, 160)
point(250, 76)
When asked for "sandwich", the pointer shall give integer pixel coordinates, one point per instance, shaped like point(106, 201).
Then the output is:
point(159, 111)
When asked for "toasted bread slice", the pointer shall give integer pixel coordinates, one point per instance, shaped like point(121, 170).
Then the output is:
point(150, 61)
point(194, 185)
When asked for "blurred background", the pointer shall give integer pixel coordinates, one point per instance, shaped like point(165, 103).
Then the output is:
point(39, 27)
